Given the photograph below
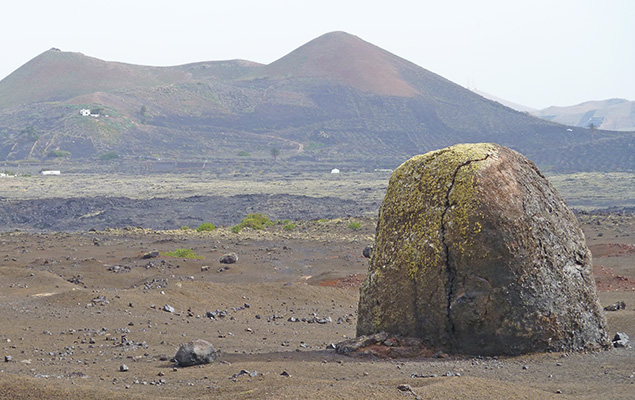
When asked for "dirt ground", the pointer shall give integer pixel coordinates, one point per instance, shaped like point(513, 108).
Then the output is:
point(76, 307)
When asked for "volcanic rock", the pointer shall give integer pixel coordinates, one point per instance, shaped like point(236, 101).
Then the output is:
point(621, 339)
point(230, 258)
point(476, 253)
point(195, 353)
point(368, 251)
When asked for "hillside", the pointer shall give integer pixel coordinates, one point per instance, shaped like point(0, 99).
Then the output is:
point(335, 100)
point(612, 114)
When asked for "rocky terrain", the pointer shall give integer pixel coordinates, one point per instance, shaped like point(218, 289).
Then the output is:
point(86, 314)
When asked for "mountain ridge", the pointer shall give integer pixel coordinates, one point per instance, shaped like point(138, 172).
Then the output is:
point(335, 99)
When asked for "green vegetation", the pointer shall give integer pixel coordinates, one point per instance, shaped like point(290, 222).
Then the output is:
point(205, 227)
point(185, 228)
point(30, 134)
point(289, 226)
point(253, 221)
point(60, 154)
point(243, 153)
point(182, 253)
point(109, 155)
point(355, 226)
point(275, 152)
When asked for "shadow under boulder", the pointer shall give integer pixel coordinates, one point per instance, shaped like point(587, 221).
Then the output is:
point(476, 253)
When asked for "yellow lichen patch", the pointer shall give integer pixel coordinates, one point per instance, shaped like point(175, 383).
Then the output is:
point(409, 244)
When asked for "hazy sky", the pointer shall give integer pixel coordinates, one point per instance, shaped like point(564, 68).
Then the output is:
point(533, 52)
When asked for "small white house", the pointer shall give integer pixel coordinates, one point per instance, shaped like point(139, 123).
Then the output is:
point(84, 112)
point(335, 171)
point(51, 172)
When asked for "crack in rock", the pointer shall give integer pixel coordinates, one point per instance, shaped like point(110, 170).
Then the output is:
point(449, 268)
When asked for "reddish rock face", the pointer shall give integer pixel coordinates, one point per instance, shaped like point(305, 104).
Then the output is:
point(476, 253)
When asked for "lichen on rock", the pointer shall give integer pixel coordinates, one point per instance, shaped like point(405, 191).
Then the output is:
point(476, 253)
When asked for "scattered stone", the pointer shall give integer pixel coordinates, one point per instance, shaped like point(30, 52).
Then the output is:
point(621, 339)
point(151, 254)
point(620, 305)
point(8, 358)
point(168, 308)
point(195, 353)
point(229, 258)
point(405, 388)
point(285, 373)
point(205, 268)
point(476, 253)
point(368, 251)
point(123, 368)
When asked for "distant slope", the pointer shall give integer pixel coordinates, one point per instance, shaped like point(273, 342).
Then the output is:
point(612, 114)
point(337, 99)
point(507, 103)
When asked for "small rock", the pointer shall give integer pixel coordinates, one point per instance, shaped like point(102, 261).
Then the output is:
point(405, 388)
point(151, 254)
point(205, 268)
point(8, 358)
point(195, 353)
point(368, 251)
point(229, 258)
point(620, 305)
point(168, 308)
point(621, 340)
point(123, 368)
point(285, 373)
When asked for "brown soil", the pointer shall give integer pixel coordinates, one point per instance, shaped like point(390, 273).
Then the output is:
point(75, 307)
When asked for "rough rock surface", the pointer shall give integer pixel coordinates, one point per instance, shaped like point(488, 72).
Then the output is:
point(229, 258)
point(476, 253)
point(195, 353)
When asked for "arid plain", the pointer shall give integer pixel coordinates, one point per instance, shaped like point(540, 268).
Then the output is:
point(79, 305)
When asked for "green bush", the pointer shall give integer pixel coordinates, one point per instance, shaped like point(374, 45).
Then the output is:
point(109, 155)
point(243, 153)
point(205, 227)
point(355, 226)
point(182, 253)
point(185, 228)
point(253, 221)
point(59, 153)
point(289, 227)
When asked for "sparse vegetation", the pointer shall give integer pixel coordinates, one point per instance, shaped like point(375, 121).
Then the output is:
point(205, 227)
point(109, 155)
point(254, 221)
point(185, 228)
point(243, 153)
point(355, 226)
point(60, 154)
point(289, 227)
point(182, 253)
point(275, 152)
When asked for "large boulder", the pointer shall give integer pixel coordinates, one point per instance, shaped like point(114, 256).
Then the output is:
point(476, 253)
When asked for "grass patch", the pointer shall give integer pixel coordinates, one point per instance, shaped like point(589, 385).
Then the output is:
point(253, 221)
point(182, 253)
point(289, 227)
point(355, 226)
point(205, 227)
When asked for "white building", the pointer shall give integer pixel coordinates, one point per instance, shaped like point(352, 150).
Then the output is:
point(51, 172)
point(84, 112)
